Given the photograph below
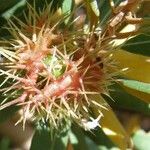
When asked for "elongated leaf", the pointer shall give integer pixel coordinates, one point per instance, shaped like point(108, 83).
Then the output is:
point(124, 100)
point(93, 11)
point(94, 7)
point(136, 85)
point(66, 6)
point(83, 142)
point(95, 140)
point(111, 126)
point(42, 139)
point(138, 66)
point(5, 6)
point(138, 89)
point(101, 139)
point(139, 45)
point(145, 26)
point(105, 10)
point(141, 95)
point(80, 139)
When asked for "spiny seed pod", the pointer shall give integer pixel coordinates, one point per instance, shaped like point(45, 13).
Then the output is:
point(55, 72)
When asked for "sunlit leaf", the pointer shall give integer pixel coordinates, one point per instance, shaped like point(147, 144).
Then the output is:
point(67, 7)
point(139, 89)
point(111, 126)
point(93, 11)
point(141, 95)
point(125, 100)
point(138, 66)
point(136, 85)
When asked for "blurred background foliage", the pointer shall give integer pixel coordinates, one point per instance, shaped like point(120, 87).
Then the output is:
point(130, 99)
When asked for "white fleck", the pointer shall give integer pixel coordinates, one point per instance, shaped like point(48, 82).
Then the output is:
point(90, 125)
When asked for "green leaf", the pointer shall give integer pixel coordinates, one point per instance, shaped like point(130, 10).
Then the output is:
point(9, 13)
point(40, 3)
point(141, 140)
point(105, 10)
point(95, 8)
point(95, 140)
point(137, 88)
point(90, 144)
point(124, 100)
point(4, 144)
point(5, 5)
point(145, 26)
point(44, 138)
point(82, 142)
point(93, 11)
point(41, 140)
point(137, 85)
point(100, 139)
point(141, 95)
point(113, 129)
point(139, 45)
point(67, 8)
point(14, 8)
point(7, 113)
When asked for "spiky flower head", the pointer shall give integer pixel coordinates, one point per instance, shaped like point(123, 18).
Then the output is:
point(55, 70)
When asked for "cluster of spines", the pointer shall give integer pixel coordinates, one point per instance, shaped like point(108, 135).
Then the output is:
point(45, 94)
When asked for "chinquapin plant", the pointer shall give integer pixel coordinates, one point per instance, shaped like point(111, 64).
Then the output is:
point(58, 66)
